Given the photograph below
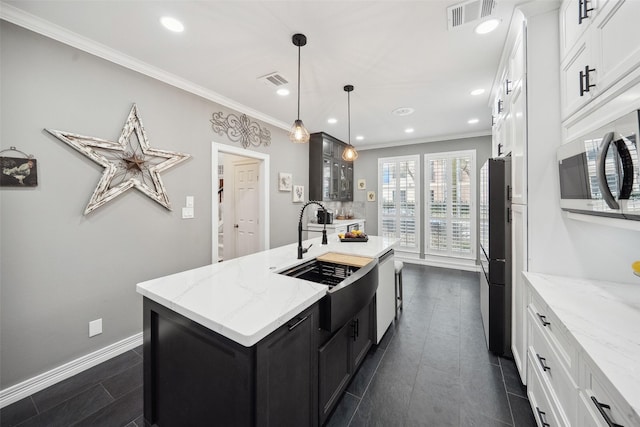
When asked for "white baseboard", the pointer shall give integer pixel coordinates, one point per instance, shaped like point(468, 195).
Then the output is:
point(442, 264)
point(46, 379)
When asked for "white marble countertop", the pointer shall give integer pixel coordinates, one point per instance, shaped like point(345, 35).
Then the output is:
point(604, 319)
point(245, 299)
point(337, 222)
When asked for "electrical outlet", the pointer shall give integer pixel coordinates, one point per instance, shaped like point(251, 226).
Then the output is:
point(187, 213)
point(189, 202)
point(95, 327)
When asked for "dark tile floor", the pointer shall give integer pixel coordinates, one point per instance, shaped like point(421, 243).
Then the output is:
point(431, 369)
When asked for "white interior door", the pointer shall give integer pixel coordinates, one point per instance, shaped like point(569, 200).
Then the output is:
point(247, 203)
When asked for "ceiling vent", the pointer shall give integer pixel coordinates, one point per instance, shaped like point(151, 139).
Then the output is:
point(469, 11)
point(273, 80)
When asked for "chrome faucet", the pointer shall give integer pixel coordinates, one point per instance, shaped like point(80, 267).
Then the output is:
point(302, 250)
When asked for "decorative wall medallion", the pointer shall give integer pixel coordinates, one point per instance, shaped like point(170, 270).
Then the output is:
point(371, 196)
point(241, 129)
point(130, 162)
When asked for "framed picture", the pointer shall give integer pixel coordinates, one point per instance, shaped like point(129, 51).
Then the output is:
point(371, 196)
point(298, 193)
point(362, 184)
point(284, 181)
point(18, 172)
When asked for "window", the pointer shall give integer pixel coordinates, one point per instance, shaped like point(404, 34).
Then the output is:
point(450, 213)
point(399, 200)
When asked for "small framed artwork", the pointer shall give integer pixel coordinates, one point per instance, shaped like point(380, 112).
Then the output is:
point(18, 172)
point(284, 181)
point(371, 196)
point(362, 184)
point(298, 193)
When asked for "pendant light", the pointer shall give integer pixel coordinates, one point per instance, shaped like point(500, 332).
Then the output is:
point(349, 154)
point(299, 134)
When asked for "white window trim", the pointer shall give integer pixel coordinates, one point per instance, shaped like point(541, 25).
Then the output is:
point(418, 182)
point(473, 208)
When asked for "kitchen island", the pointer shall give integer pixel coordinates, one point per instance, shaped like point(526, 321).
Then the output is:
point(238, 343)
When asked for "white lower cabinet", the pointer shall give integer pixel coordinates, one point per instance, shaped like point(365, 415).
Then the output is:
point(542, 405)
point(519, 290)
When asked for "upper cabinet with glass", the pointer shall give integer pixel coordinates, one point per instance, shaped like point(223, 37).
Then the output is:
point(330, 177)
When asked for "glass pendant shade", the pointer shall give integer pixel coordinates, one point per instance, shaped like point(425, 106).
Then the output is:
point(299, 134)
point(349, 154)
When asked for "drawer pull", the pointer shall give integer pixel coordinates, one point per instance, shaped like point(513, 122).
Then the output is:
point(601, 407)
point(543, 418)
point(291, 327)
point(542, 361)
point(543, 319)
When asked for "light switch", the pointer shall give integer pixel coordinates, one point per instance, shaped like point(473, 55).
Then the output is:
point(187, 213)
point(189, 202)
point(95, 327)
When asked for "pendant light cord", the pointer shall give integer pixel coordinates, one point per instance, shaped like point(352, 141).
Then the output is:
point(298, 82)
point(349, 116)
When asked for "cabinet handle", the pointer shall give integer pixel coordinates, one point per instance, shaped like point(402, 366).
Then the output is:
point(500, 107)
point(356, 329)
point(493, 120)
point(500, 149)
point(543, 319)
point(601, 407)
point(583, 10)
point(291, 327)
point(585, 84)
point(507, 86)
point(543, 418)
point(542, 361)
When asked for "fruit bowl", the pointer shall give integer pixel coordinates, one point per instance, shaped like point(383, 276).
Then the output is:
point(353, 236)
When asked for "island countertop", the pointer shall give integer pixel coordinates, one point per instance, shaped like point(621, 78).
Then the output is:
point(245, 299)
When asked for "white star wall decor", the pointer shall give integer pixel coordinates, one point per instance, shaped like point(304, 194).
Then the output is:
point(128, 163)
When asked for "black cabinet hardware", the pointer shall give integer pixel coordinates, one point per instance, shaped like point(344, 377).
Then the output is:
point(601, 407)
point(355, 324)
point(493, 120)
point(543, 364)
point(500, 149)
point(507, 86)
point(543, 418)
point(299, 321)
point(543, 319)
point(500, 106)
point(509, 192)
point(585, 84)
point(583, 10)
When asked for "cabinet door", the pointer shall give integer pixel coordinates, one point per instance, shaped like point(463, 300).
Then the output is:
point(334, 370)
point(362, 335)
point(616, 41)
point(577, 62)
point(518, 137)
point(326, 178)
point(335, 179)
point(519, 293)
point(571, 25)
point(286, 374)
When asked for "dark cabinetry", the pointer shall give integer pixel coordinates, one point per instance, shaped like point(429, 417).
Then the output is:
point(341, 355)
point(194, 376)
point(330, 177)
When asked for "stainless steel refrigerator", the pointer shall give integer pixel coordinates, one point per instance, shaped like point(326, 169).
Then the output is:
point(495, 253)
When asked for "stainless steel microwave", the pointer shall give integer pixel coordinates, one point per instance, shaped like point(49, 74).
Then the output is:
point(600, 173)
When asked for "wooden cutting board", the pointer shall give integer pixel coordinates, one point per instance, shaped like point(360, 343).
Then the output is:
point(350, 260)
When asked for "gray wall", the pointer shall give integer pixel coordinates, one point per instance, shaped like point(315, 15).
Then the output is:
point(367, 167)
point(60, 269)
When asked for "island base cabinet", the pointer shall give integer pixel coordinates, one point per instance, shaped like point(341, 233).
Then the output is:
point(340, 357)
point(194, 376)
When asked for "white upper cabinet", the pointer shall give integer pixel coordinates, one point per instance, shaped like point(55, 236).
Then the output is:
point(599, 52)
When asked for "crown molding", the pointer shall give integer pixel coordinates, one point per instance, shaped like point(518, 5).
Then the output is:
point(424, 140)
point(43, 27)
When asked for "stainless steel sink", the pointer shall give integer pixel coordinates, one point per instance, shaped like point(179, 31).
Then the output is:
point(350, 288)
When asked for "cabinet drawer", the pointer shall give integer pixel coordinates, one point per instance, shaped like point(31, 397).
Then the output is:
point(607, 402)
point(555, 332)
point(550, 369)
point(543, 409)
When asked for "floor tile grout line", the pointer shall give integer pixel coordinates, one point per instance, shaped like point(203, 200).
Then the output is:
point(504, 383)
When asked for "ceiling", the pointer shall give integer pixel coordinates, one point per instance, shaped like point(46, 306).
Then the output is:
point(396, 53)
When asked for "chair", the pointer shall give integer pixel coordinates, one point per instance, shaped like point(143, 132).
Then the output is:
point(398, 288)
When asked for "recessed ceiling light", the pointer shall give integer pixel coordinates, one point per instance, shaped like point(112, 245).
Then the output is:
point(332, 121)
point(408, 130)
point(172, 24)
point(487, 26)
point(403, 111)
point(359, 137)
point(477, 92)
point(283, 91)
point(473, 121)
